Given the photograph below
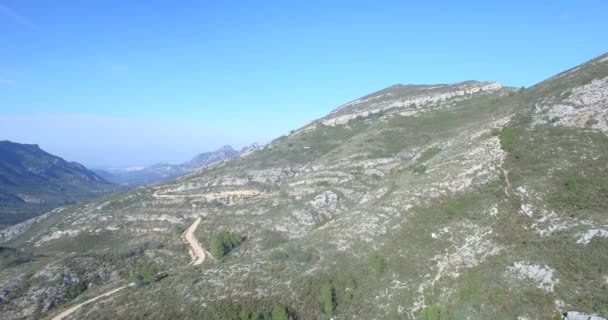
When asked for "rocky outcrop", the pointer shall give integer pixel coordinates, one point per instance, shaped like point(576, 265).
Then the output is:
point(414, 103)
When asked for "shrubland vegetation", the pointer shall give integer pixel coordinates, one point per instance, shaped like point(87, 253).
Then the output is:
point(223, 242)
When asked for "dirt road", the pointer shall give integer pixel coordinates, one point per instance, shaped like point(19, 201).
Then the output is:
point(196, 250)
point(211, 196)
point(75, 308)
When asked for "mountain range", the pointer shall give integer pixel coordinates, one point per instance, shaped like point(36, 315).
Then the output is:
point(137, 176)
point(471, 200)
point(33, 181)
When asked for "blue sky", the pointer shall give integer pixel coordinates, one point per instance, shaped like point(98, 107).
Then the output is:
point(120, 83)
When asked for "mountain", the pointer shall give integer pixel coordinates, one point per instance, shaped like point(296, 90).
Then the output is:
point(451, 201)
point(137, 176)
point(33, 181)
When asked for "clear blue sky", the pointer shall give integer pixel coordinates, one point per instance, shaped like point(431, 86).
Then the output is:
point(119, 83)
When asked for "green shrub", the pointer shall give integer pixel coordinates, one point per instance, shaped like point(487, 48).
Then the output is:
point(75, 289)
point(328, 299)
point(255, 316)
point(244, 315)
point(348, 296)
point(279, 313)
point(224, 242)
point(145, 275)
point(431, 313)
point(179, 229)
point(506, 139)
point(496, 131)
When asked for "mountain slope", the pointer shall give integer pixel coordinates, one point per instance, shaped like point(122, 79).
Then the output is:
point(133, 177)
point(33, 181)
point(462, 201)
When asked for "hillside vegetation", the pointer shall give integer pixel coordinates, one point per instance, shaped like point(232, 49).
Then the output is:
point(460, 201)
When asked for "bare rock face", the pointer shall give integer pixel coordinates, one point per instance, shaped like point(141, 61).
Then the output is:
point(327, 199)
point(420, 101)
point(13, 231)
point(584, 106)
point(575, 315)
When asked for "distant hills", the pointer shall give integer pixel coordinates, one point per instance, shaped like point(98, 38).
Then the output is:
point(33, 181)
point(137, 176)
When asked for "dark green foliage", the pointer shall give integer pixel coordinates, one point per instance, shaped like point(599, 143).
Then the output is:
point(328, 299)
point(75, 289)
point(179, 229)
point(224, 242)
point(496, 131)
point(145, 275)
point(279, 313)
point(506, 139)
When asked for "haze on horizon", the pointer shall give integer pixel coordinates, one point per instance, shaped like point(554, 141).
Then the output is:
point(116, 84)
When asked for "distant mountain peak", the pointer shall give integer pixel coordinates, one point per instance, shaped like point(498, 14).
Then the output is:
point(136, 176)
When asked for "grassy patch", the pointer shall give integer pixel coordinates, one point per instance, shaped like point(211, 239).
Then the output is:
point(506, 139)
point(580, 192)
point(377, 264)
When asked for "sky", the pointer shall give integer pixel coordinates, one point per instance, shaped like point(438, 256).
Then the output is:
point(129, 83)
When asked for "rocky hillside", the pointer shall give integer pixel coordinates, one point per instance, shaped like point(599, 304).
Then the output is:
point(133, 177)
point(451, 201)
point(33, 181)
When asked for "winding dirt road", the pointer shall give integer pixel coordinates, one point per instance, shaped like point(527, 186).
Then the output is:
point(197, 252)
point(75, 308)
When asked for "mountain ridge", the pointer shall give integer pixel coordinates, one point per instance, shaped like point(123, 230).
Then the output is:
point(33, 181)
point(137, 176)
point(483, 205)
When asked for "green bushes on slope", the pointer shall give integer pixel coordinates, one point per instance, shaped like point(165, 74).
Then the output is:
point(224, 242)
point(506, 139)
point(328, 299)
